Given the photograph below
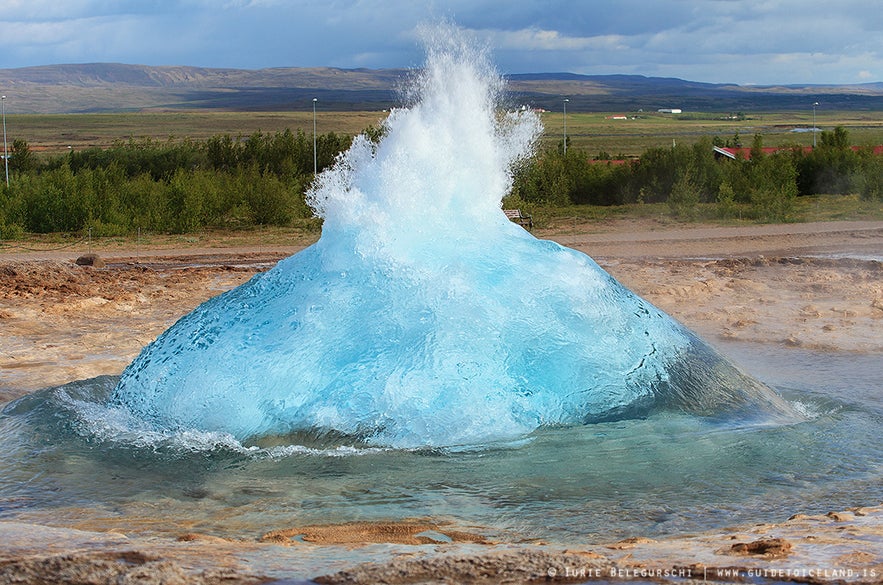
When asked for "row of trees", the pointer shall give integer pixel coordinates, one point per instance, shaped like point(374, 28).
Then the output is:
point(762, 185)
point(174, 186)
point(183, 186)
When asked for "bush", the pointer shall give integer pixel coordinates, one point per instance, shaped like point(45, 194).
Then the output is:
point(266, 197)
point(773, 188)
point(11, 231)
point(869, 180)
point(684, 196)
point(543, 180)
point(727, 208)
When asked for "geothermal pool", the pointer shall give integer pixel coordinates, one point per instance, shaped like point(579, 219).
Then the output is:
point(662, 475)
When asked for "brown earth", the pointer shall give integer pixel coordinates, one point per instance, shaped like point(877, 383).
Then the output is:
point(837, 548)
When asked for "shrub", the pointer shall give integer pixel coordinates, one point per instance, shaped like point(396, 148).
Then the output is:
point(773, 181)
point(684, 196)
point(870, 178)
point(727, 207)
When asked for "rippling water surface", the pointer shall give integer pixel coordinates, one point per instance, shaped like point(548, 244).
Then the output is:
point(70, 460)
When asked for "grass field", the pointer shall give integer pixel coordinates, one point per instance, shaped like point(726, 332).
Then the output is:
point(592, 132)
point(54, 133)
point(806, 209)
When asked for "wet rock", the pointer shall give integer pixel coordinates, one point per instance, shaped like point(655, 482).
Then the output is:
point(111, 568)
point(363, 533)
point(767, 548)
point(528, 566)
point(630, 543)
point(198, 537)
point(93, 260)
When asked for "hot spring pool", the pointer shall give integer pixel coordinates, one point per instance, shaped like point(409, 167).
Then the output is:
point(67, 461)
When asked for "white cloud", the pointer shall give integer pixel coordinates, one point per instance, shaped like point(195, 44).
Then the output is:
point(533, 39)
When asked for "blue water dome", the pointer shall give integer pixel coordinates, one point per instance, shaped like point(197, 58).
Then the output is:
point(422, 317)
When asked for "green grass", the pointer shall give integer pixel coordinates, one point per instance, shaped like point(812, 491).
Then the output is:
point(303, 234)
point(837, 208)
point(54, 133)
point(592, 132)
point(806, 209)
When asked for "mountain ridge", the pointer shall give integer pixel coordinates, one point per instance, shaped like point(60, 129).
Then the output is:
point(109, 87)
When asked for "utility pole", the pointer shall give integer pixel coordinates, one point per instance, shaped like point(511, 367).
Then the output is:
point(315, 164)
point(5, 149)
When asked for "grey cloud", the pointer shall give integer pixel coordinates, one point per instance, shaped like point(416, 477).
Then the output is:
point(763, 41)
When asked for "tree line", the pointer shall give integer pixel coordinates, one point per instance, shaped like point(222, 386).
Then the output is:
point(225, 182)
point(761, 186)
point(168, 187)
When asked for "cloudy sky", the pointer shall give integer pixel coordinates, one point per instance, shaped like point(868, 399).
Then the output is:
point(733, 41)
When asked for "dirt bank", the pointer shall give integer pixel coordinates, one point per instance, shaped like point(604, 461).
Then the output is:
point(838, 547)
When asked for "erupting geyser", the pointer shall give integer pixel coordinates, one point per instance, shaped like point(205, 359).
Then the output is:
point(422, 316)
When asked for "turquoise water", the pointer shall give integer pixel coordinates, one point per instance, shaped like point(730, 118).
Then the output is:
point(67, 462)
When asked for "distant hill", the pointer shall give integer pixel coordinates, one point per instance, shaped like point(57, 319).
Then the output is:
point(109, 87)
point(607, 93)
